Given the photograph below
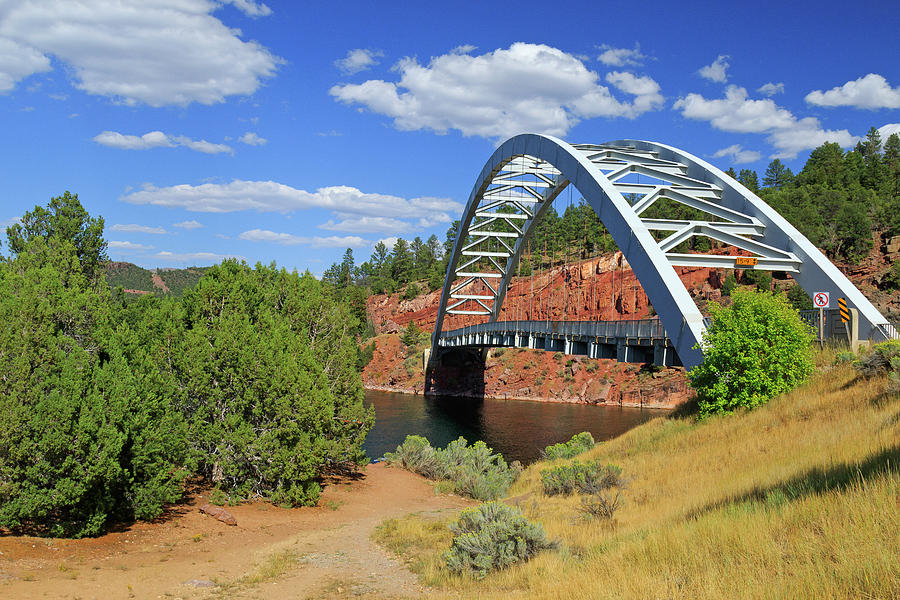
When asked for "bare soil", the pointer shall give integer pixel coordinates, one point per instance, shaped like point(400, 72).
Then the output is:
point(320, 552)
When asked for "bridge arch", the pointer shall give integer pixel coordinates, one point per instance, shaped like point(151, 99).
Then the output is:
point(527, 172)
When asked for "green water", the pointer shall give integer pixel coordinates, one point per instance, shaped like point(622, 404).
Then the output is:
point(518, 429)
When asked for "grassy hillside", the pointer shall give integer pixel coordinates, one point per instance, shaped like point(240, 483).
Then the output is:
point(137, 279)
point(798, 499)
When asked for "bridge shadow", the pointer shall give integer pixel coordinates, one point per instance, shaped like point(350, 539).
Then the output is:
point(456, 372)
point(815, 481)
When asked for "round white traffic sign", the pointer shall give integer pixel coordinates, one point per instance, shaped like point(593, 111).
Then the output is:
point(821, 300)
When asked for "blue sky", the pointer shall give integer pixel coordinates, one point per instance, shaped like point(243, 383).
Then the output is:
point(288, 131)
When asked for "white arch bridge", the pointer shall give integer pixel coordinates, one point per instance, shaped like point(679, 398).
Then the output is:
point(524, 176)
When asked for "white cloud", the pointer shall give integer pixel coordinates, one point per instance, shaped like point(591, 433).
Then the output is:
point(157, 139)
point(269, 196)
point(369, 225)
point(128, 246)
point(136, 52)
point(358, 60)
point(194, 257)
point(738, 154)
point(17, 62)
point(887, 130)
point(202, 145)
point(287, 239)
point(9, 222)
point(251, 139)
point(389, 241)
point(464, 49)
point(735, 112)
point(153, 139)
point(135, 228)
point(738, 113)
point(189, 225)
point(527, 87)
point(250, 8)
point(872, 92)
point(621, 57)
point(716, 71)
point(770, 89)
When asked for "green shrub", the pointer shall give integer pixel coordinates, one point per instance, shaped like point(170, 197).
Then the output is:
point(412, 335)
point(585, 478)
point(730, 284)
point(88, 435)
point(412, 290)
point(799, 299)
point(580, 442)
point(266, 371)
point(475, 471)
point(754, 349)
point(435, 281)
point(557, 356)
point(844, 357)
point(761, 279)
point(892, 279)
point(366, 353)
point(493, 536)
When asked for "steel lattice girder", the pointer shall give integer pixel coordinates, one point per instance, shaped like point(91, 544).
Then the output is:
point(529, 171)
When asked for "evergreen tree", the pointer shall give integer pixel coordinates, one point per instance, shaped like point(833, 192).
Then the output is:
point(777, 175)
point(402, 262)
point(749, 180)
point(64, 218)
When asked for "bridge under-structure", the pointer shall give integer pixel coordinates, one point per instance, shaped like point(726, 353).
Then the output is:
point(634, 341)
point(620, 180)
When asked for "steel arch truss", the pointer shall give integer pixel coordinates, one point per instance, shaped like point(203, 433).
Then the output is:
point(621, 180)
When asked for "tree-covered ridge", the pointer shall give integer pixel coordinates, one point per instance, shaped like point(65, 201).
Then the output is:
point(839, 198)
point(106, 406)
point(837, 201)
point(132, 277)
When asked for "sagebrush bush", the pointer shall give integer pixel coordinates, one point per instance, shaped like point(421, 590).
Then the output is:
point(601, 505)
point(844, 357)
point(580, 442)
point(493, 536)
point(475, 471)
point(883, 358)
point(585, 478)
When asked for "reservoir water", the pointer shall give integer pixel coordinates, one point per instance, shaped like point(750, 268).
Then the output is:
point(517, 429)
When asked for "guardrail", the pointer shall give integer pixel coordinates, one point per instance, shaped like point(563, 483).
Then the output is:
point(890, 331)
point(651, 328)
point(639, 328)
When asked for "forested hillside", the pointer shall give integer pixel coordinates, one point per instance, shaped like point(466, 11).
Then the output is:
point(160, 282)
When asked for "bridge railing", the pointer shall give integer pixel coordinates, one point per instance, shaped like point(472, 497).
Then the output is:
point(638, 328)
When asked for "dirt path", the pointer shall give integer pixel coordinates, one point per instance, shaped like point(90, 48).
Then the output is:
point(321, 552)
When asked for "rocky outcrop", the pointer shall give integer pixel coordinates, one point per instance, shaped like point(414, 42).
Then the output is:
point(601, 288)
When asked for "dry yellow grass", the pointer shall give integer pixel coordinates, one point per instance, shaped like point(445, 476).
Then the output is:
point(798, 499)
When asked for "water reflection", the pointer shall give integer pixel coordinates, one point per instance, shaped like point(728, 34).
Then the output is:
point(517, 429)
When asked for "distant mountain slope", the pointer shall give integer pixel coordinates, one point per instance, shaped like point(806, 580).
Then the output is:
point(162, 282)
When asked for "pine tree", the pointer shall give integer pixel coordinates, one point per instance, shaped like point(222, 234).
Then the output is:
point(749, 180)
point(777, 175)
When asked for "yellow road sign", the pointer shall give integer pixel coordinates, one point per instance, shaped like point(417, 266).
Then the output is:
point(845, 312)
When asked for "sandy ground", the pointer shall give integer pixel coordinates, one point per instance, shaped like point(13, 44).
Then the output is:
point(320, 552)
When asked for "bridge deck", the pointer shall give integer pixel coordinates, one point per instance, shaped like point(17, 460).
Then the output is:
point(643, 341)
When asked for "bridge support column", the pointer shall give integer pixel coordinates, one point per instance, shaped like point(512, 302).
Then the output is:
point(623, 353)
